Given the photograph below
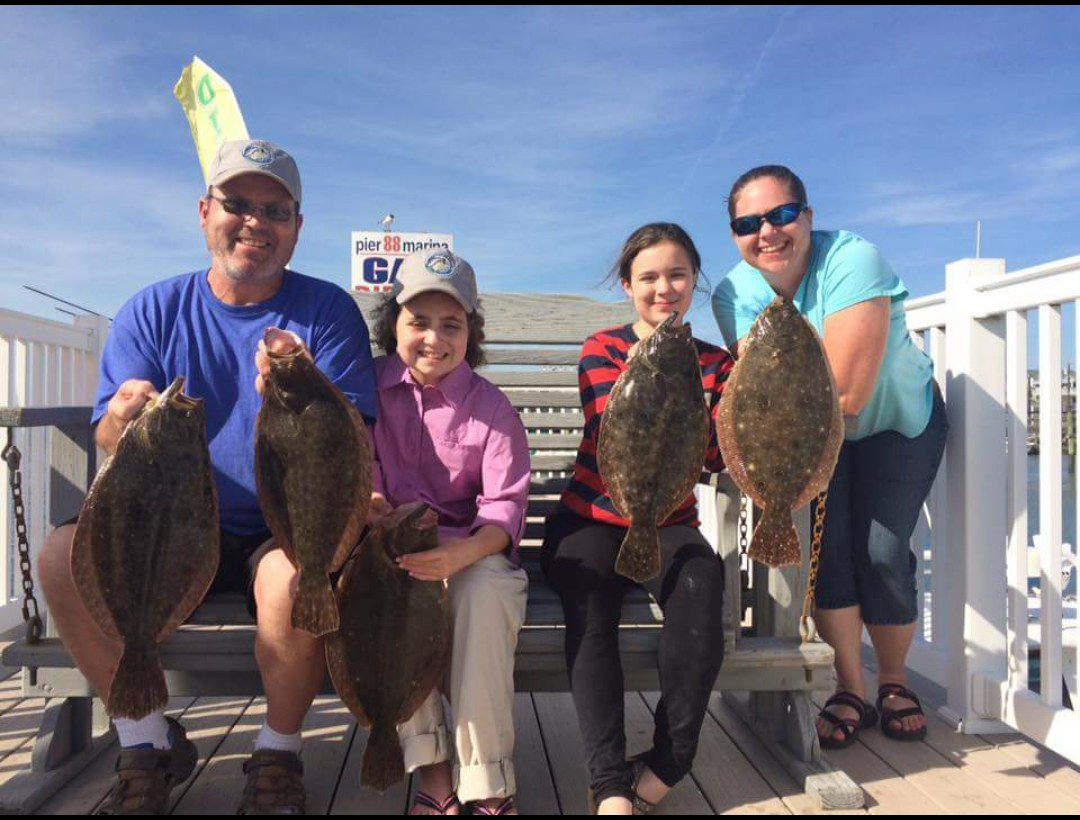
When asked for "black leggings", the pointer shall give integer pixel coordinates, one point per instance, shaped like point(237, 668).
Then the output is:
point(579, 562)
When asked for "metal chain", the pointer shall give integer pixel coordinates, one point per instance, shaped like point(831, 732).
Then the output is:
point(807, 627)
point(13, 458)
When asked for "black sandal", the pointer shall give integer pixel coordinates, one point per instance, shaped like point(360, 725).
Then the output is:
point(850, 727)
point(888, 690)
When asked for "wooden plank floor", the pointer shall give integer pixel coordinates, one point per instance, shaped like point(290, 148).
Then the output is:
point(733, 773)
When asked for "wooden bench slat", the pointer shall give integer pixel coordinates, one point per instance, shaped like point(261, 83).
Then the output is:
point(554, 421)
point(532, 356)
point(554, 463)
point(523, 397)
point(537, 378)
point(554, 441)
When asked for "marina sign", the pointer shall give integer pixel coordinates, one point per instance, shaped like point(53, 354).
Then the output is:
point(377, 255)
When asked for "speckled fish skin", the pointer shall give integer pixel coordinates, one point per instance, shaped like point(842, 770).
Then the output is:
point(313, 474)
point(393, 645)
point(652, 443)
point(146, 546)
point(779, 426)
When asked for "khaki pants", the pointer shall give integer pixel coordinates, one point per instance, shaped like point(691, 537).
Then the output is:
point(487, 602)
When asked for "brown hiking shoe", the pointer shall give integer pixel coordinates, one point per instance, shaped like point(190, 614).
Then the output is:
point(144, 777)
point(275, 783)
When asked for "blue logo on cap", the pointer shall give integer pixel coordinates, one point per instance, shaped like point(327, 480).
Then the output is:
point(258, 153)
point(441, 264)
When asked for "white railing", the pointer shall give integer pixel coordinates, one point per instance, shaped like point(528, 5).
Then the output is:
point(976, 635)
point(42, 363)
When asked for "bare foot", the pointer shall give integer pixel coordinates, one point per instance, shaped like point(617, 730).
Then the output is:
point(615, 805)
point(493, 803)
point(436, 782)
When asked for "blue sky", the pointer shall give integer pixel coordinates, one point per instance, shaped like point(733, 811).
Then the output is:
point(540, 137)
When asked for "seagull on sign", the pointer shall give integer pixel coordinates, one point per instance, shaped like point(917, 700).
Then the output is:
point(386, 222)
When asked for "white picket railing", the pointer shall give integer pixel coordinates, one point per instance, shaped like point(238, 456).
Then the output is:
point(42, 363)
point(972, 543)
point(975, 638)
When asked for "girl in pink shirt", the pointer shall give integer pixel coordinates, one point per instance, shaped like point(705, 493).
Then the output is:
point(450, 438)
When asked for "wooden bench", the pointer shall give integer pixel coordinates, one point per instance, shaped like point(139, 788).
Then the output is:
point(533, 343)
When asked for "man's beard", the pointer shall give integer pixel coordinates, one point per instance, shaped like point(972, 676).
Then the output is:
point(245, 273)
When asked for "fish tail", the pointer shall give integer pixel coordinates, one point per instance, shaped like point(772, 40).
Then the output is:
point(138, 688)
point(315, 609)
point(776, 541)
point(384, 763)
point(639, 556)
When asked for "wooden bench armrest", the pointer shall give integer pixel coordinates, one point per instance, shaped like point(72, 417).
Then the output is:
point(45, 416)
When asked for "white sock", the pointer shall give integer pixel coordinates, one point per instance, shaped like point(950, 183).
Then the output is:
point(269, 739)
point(152, 730)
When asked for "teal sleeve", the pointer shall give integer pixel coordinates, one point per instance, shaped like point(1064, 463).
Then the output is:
point(857, 272)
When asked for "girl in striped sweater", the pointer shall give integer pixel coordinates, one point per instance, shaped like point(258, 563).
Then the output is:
point(658, 269)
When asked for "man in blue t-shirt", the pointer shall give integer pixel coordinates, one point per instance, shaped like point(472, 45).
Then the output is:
point(207, 326)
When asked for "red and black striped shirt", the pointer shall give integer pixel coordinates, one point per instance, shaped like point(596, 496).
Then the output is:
point(603, 358)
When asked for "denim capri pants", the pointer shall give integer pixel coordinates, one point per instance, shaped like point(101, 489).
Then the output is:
point(875, 497)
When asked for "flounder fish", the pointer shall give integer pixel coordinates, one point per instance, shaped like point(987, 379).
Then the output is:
point(653, 438)
point(393, 645)
point(780, 427)
point(146, 545)
point(313, 474)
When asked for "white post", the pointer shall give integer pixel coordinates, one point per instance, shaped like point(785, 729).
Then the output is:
point(99, 326)
point(1050, 504)
point(1017, 419)
point(976, 490)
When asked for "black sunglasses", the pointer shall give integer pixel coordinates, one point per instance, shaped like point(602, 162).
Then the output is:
point(777, 217)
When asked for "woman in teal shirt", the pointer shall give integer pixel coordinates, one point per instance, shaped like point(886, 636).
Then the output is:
point(895, 434)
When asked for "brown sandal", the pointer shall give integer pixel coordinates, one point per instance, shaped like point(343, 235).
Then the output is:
point(275, 783)
point(145, 777)
point(639, 803)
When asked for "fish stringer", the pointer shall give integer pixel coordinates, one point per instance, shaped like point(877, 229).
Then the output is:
point(807, 627)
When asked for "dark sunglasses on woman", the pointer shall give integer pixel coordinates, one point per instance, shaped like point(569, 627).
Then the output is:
point(778, 217)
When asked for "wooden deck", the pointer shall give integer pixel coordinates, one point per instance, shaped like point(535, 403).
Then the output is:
point(946, 774)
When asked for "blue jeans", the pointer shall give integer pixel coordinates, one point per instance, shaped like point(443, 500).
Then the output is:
point(874, 500)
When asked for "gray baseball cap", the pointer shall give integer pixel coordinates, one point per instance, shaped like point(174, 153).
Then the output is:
point(436, 269)
point(239, 157)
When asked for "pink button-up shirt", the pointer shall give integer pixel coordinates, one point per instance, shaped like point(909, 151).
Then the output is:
point(459, 446)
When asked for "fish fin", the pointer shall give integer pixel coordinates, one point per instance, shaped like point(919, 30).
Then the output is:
point(138, 688)
point(315, 609)
point(776, 541)
point(384, 762)
point(639, 556)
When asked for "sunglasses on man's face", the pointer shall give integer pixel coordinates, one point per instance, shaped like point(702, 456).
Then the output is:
point(238, 206)
point(777, 217)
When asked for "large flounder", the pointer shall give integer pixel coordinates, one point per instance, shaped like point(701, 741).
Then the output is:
point(780, 427)
point(146, 546)
point(313, 474)
point(394, 640)
point(653, 438)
